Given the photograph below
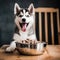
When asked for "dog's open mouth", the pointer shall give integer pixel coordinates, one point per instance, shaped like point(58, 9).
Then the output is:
point(24, 26)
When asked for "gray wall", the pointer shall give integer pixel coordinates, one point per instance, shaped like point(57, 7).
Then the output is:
point(7, 16)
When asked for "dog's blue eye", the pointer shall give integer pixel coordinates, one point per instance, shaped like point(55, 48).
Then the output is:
point(20, 15)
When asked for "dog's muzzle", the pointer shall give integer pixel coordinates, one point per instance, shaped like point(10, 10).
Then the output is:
point(24, 26)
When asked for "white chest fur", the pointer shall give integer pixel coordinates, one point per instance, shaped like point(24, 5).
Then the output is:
point(23, 35)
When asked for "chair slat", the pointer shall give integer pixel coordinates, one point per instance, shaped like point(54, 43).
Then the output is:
point(58, 21)
point(34, 25)
point(46, 27)
point(40, 27)
point(52, 28)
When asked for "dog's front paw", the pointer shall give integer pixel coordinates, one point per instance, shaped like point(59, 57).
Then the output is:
point(8, 49)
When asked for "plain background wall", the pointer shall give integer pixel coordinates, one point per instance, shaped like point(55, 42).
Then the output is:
point(7, 15)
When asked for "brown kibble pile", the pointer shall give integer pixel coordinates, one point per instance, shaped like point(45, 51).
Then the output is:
point(30, 41)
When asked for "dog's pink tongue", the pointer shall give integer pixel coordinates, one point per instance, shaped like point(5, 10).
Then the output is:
point(24, 27)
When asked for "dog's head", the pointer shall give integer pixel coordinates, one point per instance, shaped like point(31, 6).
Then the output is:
point(24, 17)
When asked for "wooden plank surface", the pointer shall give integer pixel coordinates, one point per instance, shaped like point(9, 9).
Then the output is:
point(53, 54)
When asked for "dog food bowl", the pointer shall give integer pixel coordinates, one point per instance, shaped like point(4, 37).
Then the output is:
point(31, 49)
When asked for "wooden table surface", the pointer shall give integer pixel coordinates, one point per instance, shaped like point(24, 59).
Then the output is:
point(53, 54)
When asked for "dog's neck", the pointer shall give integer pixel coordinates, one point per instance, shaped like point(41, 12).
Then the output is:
point(21, 32)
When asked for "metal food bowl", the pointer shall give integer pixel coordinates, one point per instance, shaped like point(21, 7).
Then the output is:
point(31, 49)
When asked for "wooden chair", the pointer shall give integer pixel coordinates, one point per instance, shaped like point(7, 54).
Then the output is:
point(47, 22)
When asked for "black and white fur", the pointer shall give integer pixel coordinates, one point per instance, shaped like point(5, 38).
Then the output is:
point(24, 21)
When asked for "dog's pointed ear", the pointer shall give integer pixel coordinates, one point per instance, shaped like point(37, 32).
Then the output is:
point(16, 8)
point(31, 8)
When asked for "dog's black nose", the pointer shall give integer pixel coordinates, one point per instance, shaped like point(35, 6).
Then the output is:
point(23, 20)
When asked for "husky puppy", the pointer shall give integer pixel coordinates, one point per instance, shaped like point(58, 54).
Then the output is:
point(24, 21)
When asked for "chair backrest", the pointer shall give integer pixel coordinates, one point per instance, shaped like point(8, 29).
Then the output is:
point(47, 22)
